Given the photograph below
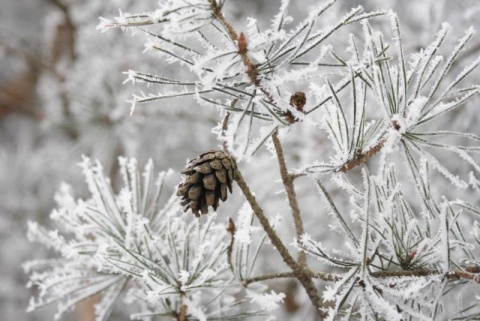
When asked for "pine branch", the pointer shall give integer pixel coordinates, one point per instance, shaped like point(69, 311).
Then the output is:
point(329, 277)
point(297, 269)
point(291, 194)
point(266, 277)
point(362, 157)
point(276, 241)
point(182, 315)
point(230, 229)
point(217, 12)
point(451, 275)
point(242, 44)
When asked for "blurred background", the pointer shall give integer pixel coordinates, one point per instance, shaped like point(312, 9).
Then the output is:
point(61, 96)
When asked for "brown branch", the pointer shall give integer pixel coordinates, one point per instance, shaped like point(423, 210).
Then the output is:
point(230, 229)
point(287, 258)
point(182, 314)
point(361, 157)
point(291, 194)
point(217, 12)
point(242, 44)
point(294, 176)
point(70, 28)
point(451, 275)
point(329, 277)
point(265, 277)
point(297, 269)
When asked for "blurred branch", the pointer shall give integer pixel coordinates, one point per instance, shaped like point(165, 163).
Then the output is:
point(18, 93)
point(69, 29)
point(182, 315)
point(64, 46)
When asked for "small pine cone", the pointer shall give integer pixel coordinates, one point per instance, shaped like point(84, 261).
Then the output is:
point(207, 179)
point(297, 100)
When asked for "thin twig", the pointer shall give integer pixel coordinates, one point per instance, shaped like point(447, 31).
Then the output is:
point(225, 125)
point(329, 277)
point(297, 269)
point(291, 194)
point(217, 12)
point(294, 176)
point(451, 275)
point(362, 157)
point(265, 277)
point(252, 71)
point(230, 229)
point(281, 248)
point(182, 314)
point(224, 131)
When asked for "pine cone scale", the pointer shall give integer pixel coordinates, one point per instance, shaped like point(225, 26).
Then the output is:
point(195, 192)
point(223, 192)
point(203, 168)
point(192, 179)
point(210, 182)
point(221, 175)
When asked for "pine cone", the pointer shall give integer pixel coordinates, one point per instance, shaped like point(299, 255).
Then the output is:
point(207, 178)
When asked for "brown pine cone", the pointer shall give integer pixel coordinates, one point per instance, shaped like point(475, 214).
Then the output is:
point(207, 179)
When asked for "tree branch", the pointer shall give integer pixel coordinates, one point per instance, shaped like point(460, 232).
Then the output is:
point(217, 12)
point(182, 314)
point(291, 194)
point(298, 270)
point(361, 157)
point(265, 277)
point(451, 275)
point(230, 229)
point(287, 258)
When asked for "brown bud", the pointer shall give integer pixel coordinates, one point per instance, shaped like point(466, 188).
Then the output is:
point(297, 100)
point(242, 44)
point(231, 226)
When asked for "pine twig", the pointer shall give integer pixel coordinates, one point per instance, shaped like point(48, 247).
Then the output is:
point(265, 277)
point(291, 194)
point(230, 229)
point(329, 277)
point(297, 269)
point(276, 241)
point(451, 275)
point(362, 157)
point(182, 315)
point(217, 12)
point(242, 44)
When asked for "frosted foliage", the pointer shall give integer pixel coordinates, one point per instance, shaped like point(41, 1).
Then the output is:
point(395, 237)
point(136, 238)
point(357, 134)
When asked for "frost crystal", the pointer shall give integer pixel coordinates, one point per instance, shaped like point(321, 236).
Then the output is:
point(268, 301)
